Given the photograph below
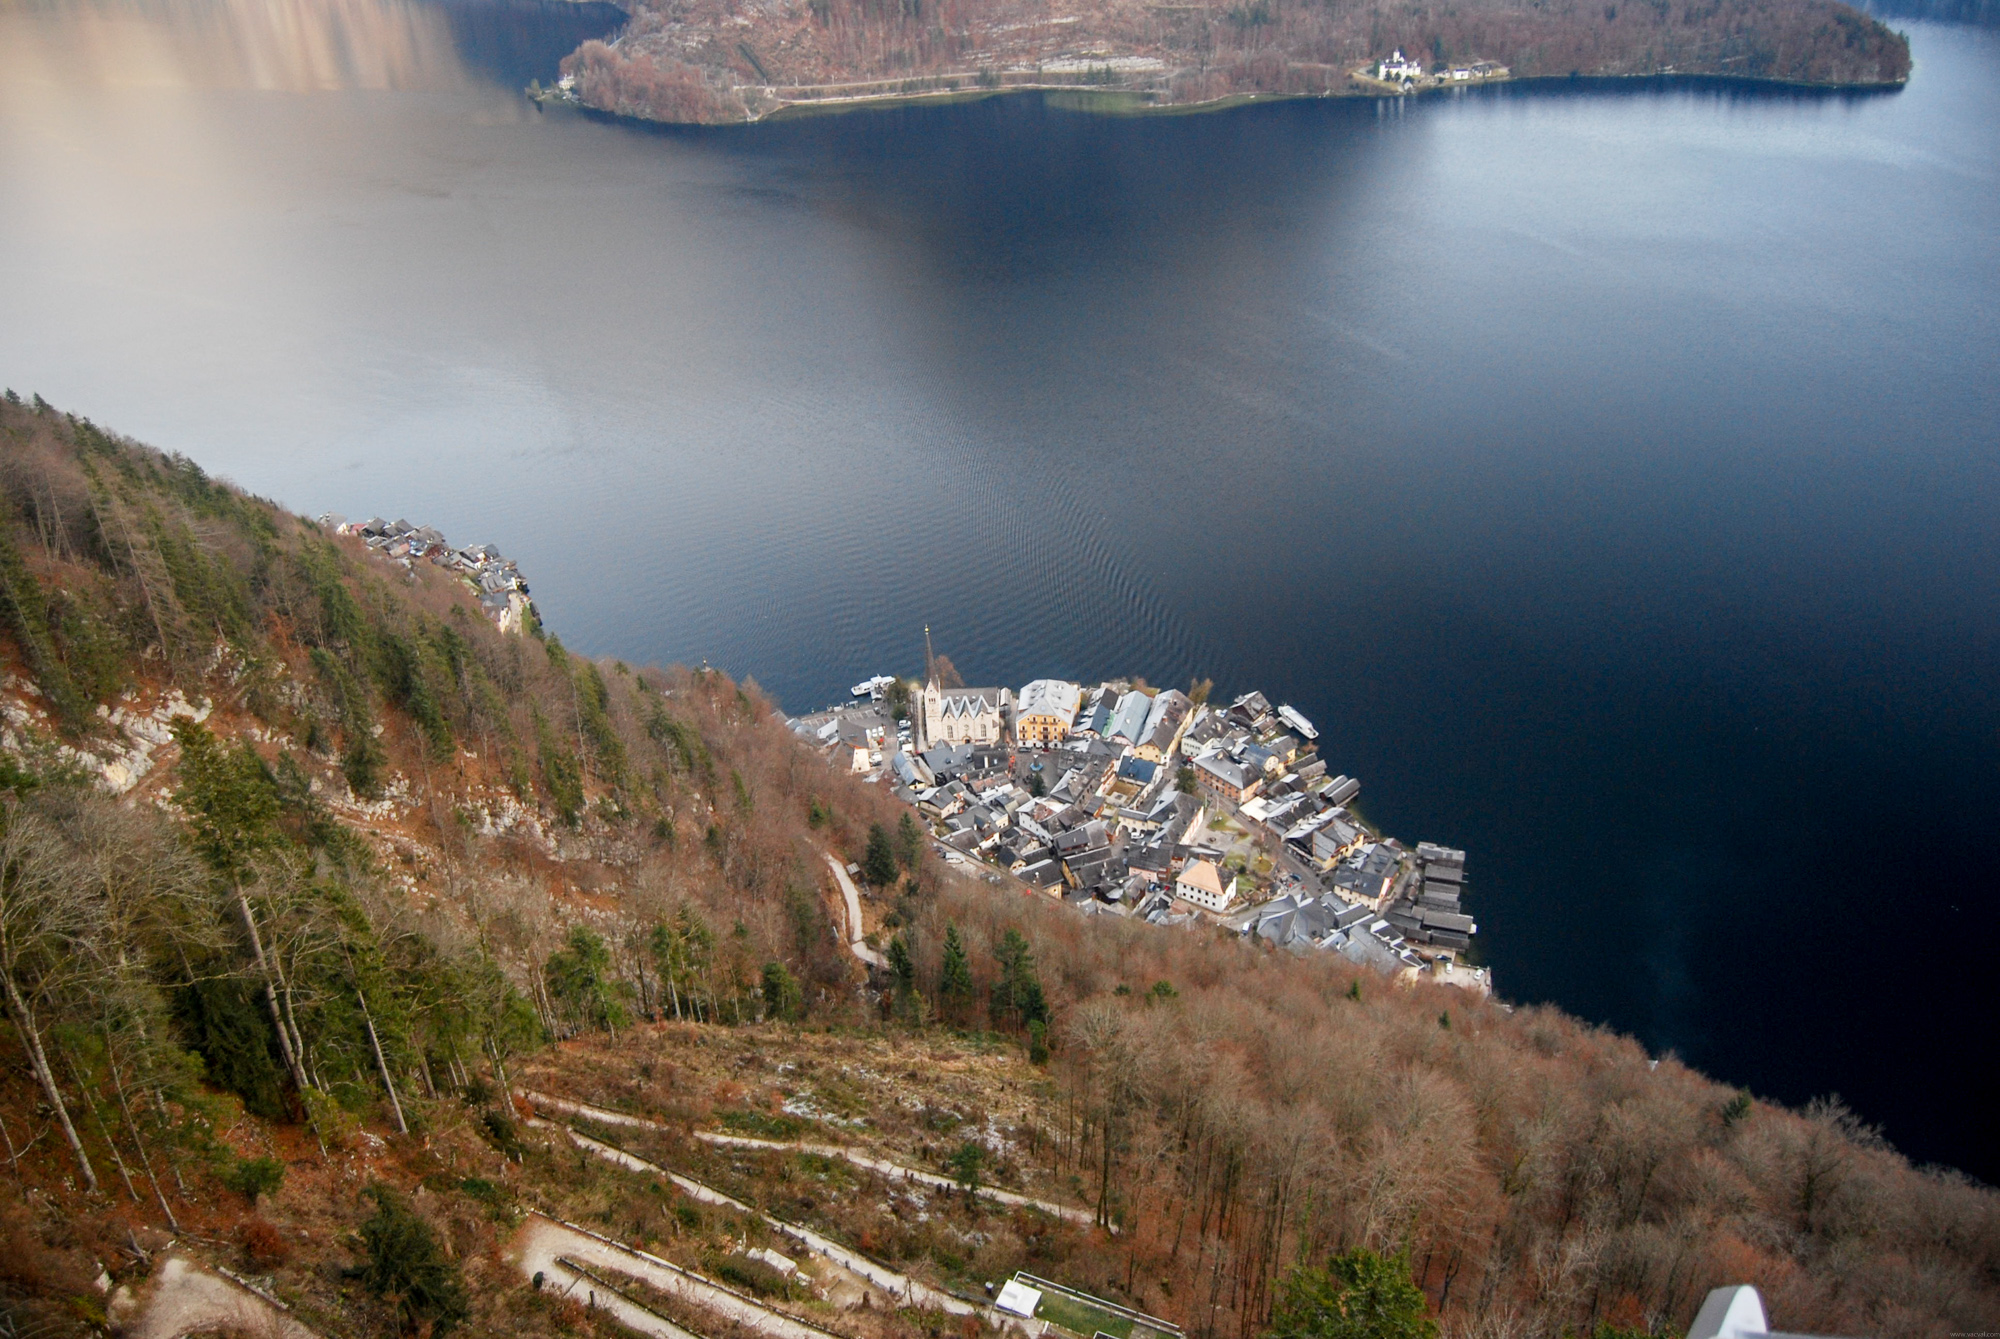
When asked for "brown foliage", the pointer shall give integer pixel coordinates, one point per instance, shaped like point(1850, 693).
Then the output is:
point(652, 85)
point(693, 60)
point(264, 1246)
point(1542, 1173)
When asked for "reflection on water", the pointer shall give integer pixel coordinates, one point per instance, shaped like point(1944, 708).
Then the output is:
point(1610, 476)
point(513, 41)
point(291, 46)
point(288, 46)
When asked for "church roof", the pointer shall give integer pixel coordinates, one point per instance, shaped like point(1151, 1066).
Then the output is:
point(962, 702)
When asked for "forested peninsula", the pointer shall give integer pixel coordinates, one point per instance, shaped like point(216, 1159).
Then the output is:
point(368, 970)
point(721, 61)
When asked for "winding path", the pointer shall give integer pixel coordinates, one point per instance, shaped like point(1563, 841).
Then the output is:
point(853, 898)
point(892, 1170)
point(897, 1285)
point(555, 1249)
point(183, 1298)
point(896, 1171)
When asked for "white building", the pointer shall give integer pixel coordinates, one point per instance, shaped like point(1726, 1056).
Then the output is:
point(961, 715)
point(1396, 69)
point(1201, 883)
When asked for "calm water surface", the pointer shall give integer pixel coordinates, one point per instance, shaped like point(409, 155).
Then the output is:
point(1612, 474)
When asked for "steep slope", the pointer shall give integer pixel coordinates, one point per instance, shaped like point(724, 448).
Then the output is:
point(308, 874)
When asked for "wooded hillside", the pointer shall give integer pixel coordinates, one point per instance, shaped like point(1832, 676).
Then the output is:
point(718, 61)
point(304, 866)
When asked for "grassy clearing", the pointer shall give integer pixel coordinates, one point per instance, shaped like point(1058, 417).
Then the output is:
point(1080, 1318)
point(764, 1125)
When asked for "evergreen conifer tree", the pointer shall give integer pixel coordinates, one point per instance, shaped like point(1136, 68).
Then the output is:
point(407, 1268)
point(1017, 995)
point(955, 978)
point(782, 997)
point(878, 863)
point(1358, 1295)
point(579, 983)
point(909, 843)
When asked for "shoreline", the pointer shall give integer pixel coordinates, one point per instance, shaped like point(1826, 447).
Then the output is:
point(1159, 807)
point(1117, 102)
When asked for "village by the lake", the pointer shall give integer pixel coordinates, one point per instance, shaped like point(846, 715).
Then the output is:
point(1117, 798)
point(1122, 799)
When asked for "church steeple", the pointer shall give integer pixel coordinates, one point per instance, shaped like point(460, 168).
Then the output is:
point(930, 660)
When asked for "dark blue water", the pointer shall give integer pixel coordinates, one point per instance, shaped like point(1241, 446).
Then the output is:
point(1611, 472)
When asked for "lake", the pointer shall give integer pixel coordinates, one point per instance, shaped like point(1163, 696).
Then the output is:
point(1611, 471)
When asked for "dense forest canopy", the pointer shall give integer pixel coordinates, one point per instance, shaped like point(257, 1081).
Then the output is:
point(273, 979)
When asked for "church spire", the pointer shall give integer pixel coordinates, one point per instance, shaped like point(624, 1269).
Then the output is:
point(930, 661)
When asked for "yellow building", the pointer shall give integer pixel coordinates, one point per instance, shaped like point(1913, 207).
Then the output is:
point(1045, 710)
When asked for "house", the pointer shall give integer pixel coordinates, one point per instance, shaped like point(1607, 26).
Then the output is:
point(908, 772)
point(1294, 921)
point(1368, 874)
point(961, 715)
point(1201, 883)
point(944, 801)
point(1258, 758)
point(1208, 726)
point(1031, 854)
point(1335, 840)
point(1164, 723)
point(1094, 870)
point(1041, 874)
point(1045, 711)
point(1096, 713)
point(1151, 863)
point(1397, 69)
point(1128, 722)
point(1251, 711)
point(947, 762)
point(1225, 780)
point(1090, 836)
point(1138, 770)
point(1279, 813)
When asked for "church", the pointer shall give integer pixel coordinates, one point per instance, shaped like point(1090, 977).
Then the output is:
point(961, 715)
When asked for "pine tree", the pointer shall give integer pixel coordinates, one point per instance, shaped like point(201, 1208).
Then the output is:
point(407, 1268)
point(1017, 995)
point(878, 864)
point(955, 979)
point(909, 843)
point(782, 997)
point(907, 1002)
point(578, 981)
point(1359, 1295)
